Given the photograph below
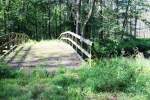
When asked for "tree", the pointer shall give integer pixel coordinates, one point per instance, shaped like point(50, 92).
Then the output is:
point(78, 7)
point(88, 17)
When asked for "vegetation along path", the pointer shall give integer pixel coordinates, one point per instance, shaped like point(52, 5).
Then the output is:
point(51, 54)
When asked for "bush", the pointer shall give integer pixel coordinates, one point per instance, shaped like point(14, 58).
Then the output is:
point(112, 48)
point(6, 71)
point(107, 48)
point(108, 75)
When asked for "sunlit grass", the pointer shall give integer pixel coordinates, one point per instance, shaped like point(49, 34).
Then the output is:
point(123, 78)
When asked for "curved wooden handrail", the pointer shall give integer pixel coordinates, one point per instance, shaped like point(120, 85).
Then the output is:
point(88, 42)
point(77, 41)
point(9, 41)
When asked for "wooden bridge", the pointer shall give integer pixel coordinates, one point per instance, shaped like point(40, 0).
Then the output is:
point(68, 50)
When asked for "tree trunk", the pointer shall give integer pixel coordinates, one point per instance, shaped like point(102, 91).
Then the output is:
point(5, 22)
point(36, 24)
point(56, 32)
point(78, 4)
point(126, 15)
point(135, 26)
point(49, 18)
point(60, 19)
point(101, 34)
point(88, 17)
point(125, 22)
point(117, 11)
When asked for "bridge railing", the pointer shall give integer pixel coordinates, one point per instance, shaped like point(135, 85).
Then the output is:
point(9, 42)
point(78, 42)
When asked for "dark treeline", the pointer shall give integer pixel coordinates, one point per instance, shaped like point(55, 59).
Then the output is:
point(40, 19)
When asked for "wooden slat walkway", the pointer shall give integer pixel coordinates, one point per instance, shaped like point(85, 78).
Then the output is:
point(51, 54)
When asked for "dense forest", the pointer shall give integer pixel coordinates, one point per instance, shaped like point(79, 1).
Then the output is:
point(105, 22)
point(91, 18)
point(118, 68)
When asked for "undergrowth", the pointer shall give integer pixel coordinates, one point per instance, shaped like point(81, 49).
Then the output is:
point(112, 48)
point(126, 79)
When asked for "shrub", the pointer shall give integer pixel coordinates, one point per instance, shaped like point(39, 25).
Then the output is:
point(112, 48)
point(107, 48)
point(6, 71)
point(108, 75)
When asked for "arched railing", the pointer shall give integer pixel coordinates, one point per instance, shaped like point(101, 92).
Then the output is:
point(80, 43)
point(9, 42)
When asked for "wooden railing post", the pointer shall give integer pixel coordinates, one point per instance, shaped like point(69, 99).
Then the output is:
point(90, 48)
point(1, 50)
point(10, 41)
point(72, 39)
point(76, 42)
point(13, 37)
point(82, 47)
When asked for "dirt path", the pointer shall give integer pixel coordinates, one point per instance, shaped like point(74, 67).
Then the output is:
point(49, 54)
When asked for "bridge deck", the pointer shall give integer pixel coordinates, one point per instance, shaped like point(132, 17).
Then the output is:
point(49, 54)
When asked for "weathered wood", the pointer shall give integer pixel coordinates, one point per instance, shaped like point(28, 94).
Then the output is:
point(7, 53)
point(45, 53)
point(1, 51)
point(77, 41)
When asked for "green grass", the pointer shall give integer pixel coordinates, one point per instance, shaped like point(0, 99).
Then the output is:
point(126, 79)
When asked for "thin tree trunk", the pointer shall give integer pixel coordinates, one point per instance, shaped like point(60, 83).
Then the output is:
point(36, 25)
point(126, 15)
point(56, 32)
point(60, 19)
point(88, 17)
point(117, 11)
point(71, 19)
point(101, 34)
point(49, 18)
point(78, 3)
point(135, 26)
point(6, 15)
point(5, 22)
point(125, 22)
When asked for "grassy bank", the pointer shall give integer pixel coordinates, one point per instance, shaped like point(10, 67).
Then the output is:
point(124, 79)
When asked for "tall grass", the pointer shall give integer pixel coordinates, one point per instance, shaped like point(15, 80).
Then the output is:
point(107, 78)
